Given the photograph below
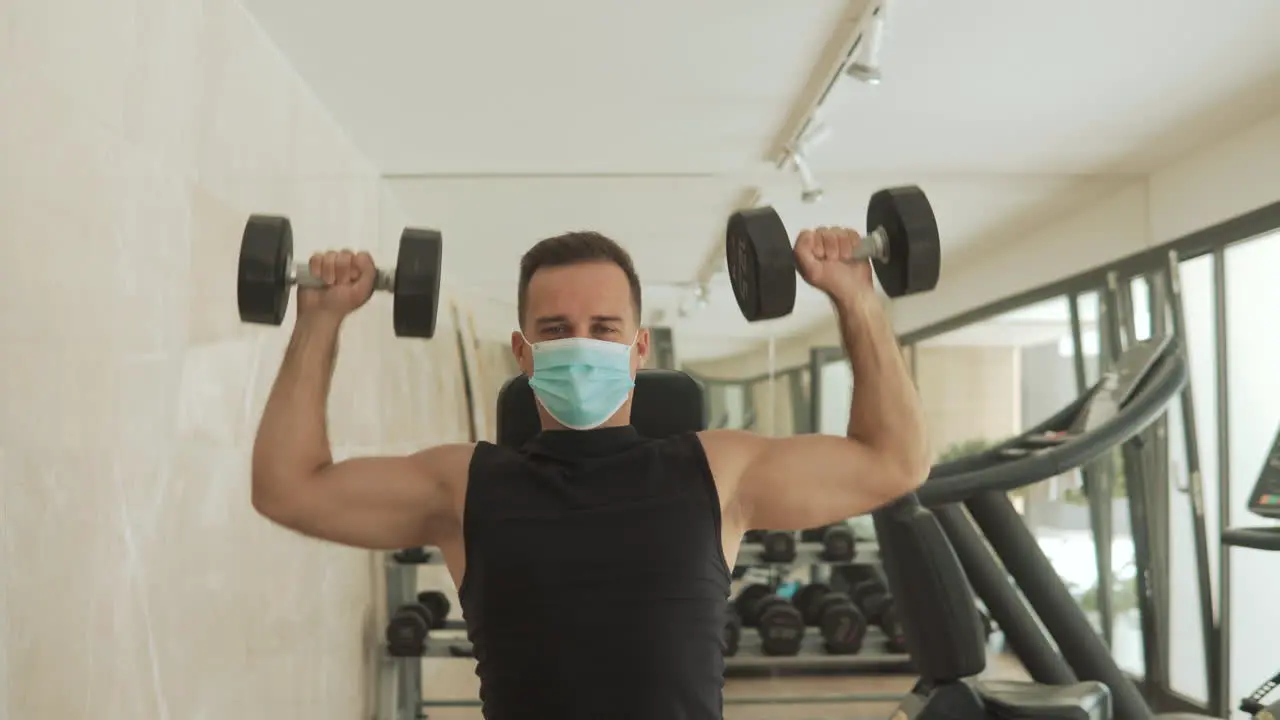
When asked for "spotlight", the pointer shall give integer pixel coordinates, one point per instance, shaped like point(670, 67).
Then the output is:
point(866, 65)
point(810, 191)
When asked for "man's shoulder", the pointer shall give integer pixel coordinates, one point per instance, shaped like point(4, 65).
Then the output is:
point(449, 462)
point(728, 440)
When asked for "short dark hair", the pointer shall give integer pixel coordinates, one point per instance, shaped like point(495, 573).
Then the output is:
point(574, 248)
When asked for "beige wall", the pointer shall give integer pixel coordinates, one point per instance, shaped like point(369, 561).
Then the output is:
point(135, 138)
point(969, 393)
point(1236, 174)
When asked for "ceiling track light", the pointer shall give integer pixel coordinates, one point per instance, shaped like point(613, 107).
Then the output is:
point(810, 190)
point(865, 65)
point(854, 53)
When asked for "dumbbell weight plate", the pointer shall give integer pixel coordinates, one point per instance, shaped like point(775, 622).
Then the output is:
point(762, 266)
point(781, 629)
point(406, 634)
point(438, 604)
point(420, 610)
point(417, 283)
point(806, 601)
point(915, 255)
point(747, 600)
point(838, 544)
point(262, 278)
point(871, 598)
point(843, 627)
point(779, 547)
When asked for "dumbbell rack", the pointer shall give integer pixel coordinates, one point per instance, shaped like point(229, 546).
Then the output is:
point(399, 679)
point(874, 657)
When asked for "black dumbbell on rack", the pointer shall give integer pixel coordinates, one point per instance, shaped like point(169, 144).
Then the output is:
point(779, 623)
point(875, 602)
point(838, 541)
point(776, 546)
point(843, 625)
point(413, 556)
point(411, 624)
point(438, 604)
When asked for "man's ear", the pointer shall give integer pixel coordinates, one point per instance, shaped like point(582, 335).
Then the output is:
point(642, 347)
point(523, 354)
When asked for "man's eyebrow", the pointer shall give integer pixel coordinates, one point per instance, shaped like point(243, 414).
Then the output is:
point(606, 318)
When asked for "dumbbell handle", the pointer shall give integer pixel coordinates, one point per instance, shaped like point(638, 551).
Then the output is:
point(874, 246)
point(302, 277)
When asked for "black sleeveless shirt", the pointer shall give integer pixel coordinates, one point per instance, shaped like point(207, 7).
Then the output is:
point(596, 582)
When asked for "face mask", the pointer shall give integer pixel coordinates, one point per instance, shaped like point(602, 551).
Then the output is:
point(581, 382)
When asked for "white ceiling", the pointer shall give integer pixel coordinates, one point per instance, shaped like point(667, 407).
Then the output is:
point(503, 122)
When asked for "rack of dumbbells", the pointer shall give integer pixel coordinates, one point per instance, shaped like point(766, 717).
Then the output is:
point(418, 626)
point(842, 619)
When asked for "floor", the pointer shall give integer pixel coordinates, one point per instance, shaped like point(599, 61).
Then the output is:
point(451, 679)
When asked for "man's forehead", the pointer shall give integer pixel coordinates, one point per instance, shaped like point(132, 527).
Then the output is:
point(579, 293)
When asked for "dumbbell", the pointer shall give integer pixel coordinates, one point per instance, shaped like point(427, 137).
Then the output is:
point(438, 605)
point(778, 546)
point(778, 622)
point(838, 541)
point(843, 625)
point(408, 629)
point(413, 556)
point(732, 636)
point(875, 602)
point(902, 245)
point(266, 273)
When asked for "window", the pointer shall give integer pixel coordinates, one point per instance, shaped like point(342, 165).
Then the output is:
point(1253, 413)
point(993, 379)
point(1187, 671)
point(836, 381)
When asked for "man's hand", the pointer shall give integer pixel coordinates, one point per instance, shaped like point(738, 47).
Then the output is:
point(825, 259)
point(349, 278)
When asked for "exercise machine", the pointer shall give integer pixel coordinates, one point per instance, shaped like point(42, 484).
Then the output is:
point(933, 558)
point(1264, 502)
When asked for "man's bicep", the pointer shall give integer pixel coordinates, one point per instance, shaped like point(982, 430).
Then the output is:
point(384, 503)
point(806, 481)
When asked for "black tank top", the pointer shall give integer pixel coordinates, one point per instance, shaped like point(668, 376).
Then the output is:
point(596, 583)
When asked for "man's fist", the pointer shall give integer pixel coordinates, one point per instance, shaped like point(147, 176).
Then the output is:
point(825, 259)
point(348, 279)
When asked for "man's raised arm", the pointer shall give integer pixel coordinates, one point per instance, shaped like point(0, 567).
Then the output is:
point(377, 502)
point(811, 480)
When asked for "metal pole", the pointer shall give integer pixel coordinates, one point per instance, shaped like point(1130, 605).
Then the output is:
point(1035, 576)
point(1195, 493)
point(1121, 324)
point(1097, 489)
point(991, 583)
point(1224, 472)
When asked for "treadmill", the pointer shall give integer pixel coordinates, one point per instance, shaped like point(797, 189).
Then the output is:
point(1264, 502)
point(934, 558)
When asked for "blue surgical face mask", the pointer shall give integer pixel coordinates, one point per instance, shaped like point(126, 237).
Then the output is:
point(581, 382)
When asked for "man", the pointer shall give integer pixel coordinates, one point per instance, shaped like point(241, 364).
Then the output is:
point(592, 565)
